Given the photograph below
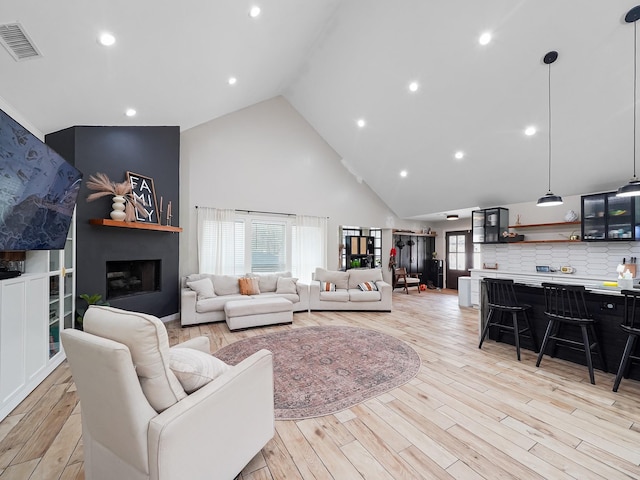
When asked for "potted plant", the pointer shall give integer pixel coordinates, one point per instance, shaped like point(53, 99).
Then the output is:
point(95, 299)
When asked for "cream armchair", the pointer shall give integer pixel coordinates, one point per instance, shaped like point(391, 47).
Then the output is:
point(137, 421)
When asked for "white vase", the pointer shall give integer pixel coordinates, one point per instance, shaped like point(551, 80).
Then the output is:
point(118, 208)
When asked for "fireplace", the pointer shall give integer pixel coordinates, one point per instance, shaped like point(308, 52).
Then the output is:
point(132, 277)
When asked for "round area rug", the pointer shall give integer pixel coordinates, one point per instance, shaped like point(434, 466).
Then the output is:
point(322, 370)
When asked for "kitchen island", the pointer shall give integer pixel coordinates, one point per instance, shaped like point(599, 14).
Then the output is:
point(605, 304)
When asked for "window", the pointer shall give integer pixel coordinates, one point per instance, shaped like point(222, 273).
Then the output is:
point(233, 243)
point(268, 246)
point(457, 253)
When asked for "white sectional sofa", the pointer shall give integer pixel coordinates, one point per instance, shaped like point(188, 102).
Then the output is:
point(201, 305)
point(344, 292)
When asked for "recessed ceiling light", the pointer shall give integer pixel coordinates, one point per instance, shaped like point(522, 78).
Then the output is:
point(413, 86)
point(485, 38)
point(254, 12)
point(130, 112)
point(530, 131)
point(361, 123)
point(459, 155)
point(232, 80)
point(403, 173)
point(106, 39)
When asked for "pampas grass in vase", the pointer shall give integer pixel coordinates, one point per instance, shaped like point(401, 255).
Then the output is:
point(103, 187)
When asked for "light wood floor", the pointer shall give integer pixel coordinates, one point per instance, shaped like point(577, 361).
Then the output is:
point(469, 413)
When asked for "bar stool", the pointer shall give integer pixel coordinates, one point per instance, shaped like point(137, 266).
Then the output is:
point(565, 306)
point(502, 299)
point(632, 328)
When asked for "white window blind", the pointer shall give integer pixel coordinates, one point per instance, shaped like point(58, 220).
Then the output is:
point(268, 246)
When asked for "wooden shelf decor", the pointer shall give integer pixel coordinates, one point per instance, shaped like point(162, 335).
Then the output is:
point(105, 222)
point(538, 225)
point(547, 225)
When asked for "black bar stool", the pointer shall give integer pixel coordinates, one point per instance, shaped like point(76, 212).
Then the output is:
point(501, 298)
point(632, 327)
point(565, 306)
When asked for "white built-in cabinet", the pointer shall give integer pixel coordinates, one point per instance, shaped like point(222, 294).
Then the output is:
point(33, 309)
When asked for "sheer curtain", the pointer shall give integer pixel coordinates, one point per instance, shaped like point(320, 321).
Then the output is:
point(216, 240)
point(309, 247)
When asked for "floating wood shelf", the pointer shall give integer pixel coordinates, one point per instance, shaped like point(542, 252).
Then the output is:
point(556, 224)
point(546, 241)
point(105, 222)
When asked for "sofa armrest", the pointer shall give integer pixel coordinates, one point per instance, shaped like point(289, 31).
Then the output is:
point(198, 343)
point(222, 426)
point(303, 292)
point(188, 300)
point(314, 289)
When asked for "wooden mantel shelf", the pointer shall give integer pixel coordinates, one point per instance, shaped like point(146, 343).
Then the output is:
point(105, 222)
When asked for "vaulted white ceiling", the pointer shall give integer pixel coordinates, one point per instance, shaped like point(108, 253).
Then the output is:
point(338, 61)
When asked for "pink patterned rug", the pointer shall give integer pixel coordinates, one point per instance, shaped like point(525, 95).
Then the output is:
point(322, 370)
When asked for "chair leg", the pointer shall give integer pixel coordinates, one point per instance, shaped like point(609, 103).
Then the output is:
point(596, 339)
point(486, 327)
point(532, 333)
point(516, 333)
point(587, 350)
point(545, 340)
point(625, 361)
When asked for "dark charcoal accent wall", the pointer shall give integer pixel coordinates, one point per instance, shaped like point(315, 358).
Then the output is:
point(150, 151)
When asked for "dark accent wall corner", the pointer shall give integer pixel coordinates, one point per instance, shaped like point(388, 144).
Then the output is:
point(149, 151)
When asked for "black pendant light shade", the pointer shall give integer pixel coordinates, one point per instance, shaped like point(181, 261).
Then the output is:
point(549, 199)
point(632, 188)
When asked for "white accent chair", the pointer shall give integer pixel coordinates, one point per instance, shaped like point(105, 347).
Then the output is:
point(137, 421)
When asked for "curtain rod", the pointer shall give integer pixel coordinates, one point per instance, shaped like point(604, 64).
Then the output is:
point(266, 213)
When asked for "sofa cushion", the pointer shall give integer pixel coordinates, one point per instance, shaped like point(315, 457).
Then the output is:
point(357, 295)
point(268, 282)
point(147, 340)
point(226, 284)
point(202, 287)
point(286, 285)
point(193, 368)
point(248, 286)
point(216, 304)
point(366, 275)
point(340, 279)
point(337, 296)
point(292, 297)
point(368, 286)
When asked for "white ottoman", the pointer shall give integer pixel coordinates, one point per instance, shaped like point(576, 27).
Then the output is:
point(258, 312)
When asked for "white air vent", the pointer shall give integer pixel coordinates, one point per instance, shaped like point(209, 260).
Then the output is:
point(17, 42)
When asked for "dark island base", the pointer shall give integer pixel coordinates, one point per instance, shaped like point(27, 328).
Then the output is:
point(608, 326)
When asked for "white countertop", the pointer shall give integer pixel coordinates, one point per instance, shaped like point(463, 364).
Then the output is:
point(591, 283)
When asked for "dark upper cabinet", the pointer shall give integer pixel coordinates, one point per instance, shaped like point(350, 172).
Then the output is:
point(489, 225)
point(606, 217)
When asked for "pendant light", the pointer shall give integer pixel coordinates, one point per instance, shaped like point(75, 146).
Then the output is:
point(549, 199)
point(632, 188)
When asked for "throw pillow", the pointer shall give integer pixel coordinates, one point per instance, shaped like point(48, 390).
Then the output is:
point(327, 287)
point(368, 287)
point(194, 368)
point(203, 288)
point(248, 286)
point(286, 285)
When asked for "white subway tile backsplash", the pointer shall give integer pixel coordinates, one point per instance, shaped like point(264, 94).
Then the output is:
point(589, 258)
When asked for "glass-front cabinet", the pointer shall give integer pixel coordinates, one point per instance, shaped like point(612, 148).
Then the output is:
point(61, 291)
point(489, 225)
point(607, 217)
